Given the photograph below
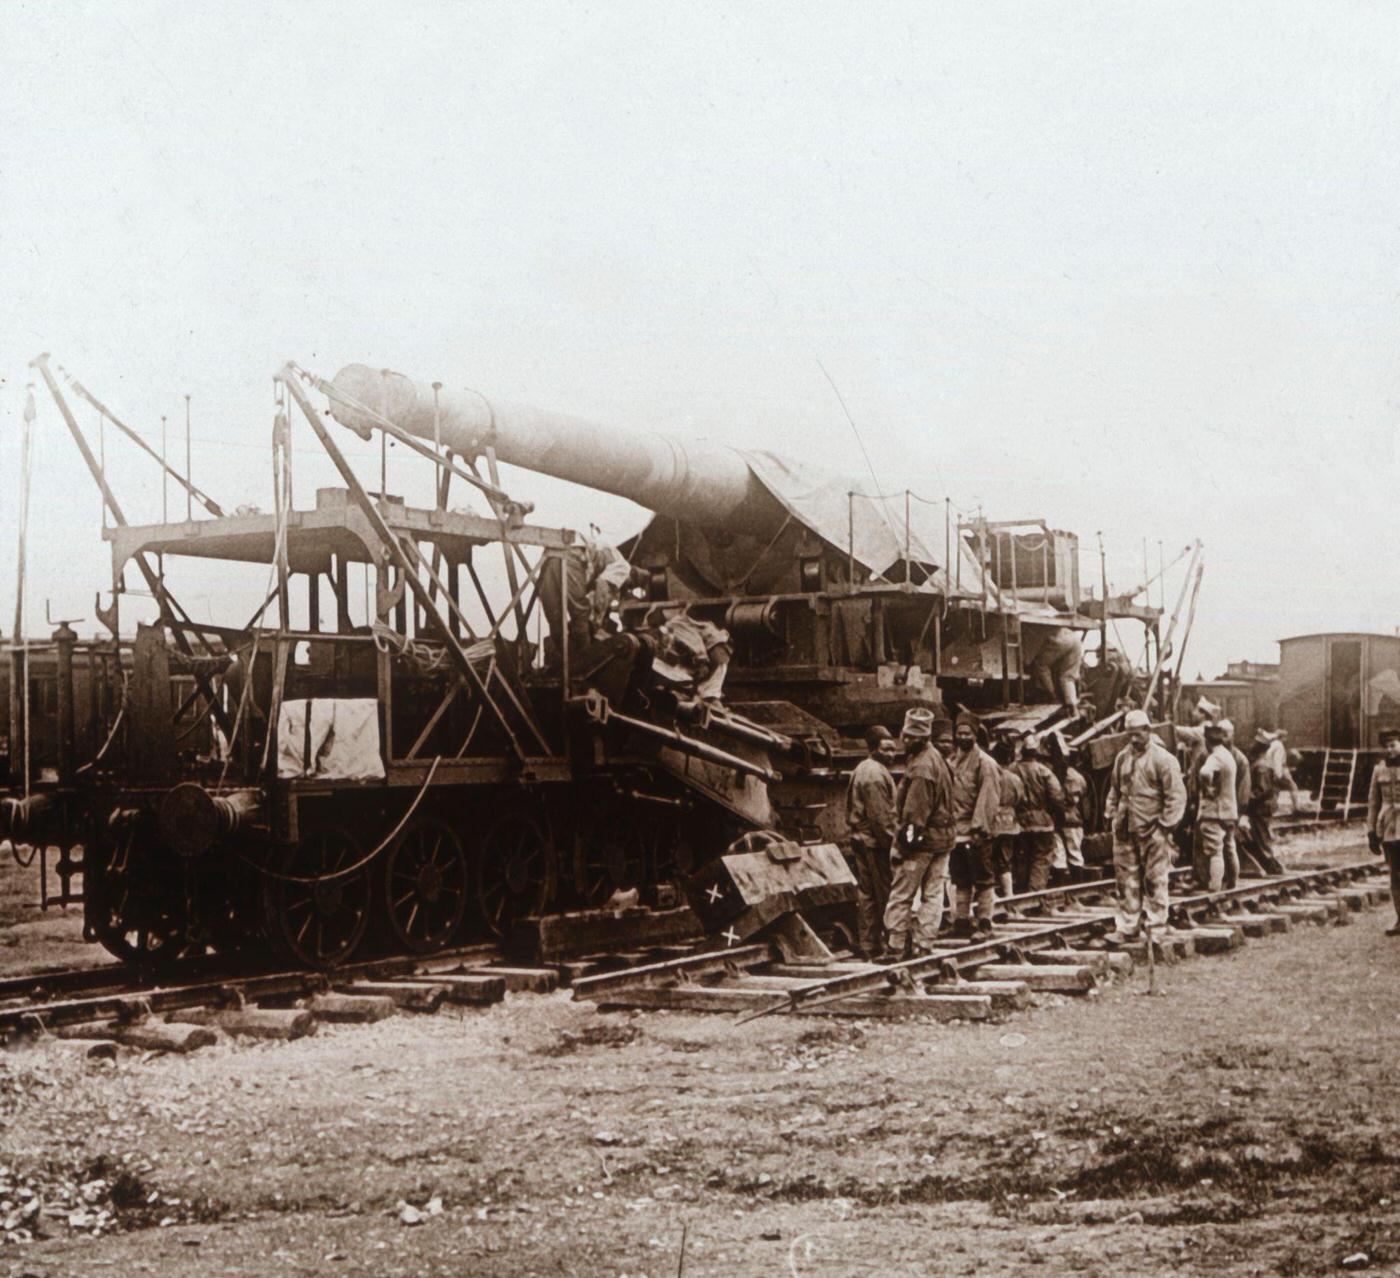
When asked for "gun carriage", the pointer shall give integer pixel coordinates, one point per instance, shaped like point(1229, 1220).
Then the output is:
point(408, 742)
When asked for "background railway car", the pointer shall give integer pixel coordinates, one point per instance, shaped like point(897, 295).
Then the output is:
point(1338, 691)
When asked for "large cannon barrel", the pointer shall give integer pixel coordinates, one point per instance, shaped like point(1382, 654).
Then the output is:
point(699, 482)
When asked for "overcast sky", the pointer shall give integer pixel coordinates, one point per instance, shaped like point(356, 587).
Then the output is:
point(1131, 268)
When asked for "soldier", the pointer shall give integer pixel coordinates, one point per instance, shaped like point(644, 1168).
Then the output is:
point(1276, 747)
point(1146, 798)
point(1383, 816)
point(1244, 786)
point(1217, 812)
point(1069, 857)
point(870, 816)
point(1042, 803)
point(1006, 830)
point(1057, 665)
point(1263, 786)
point(976, 797)
point(922, 843)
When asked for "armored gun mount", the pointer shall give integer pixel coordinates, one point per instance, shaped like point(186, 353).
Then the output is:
point(844, 607)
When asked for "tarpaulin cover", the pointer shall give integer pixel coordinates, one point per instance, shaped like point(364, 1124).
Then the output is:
point(865, 525)
point(334, 739)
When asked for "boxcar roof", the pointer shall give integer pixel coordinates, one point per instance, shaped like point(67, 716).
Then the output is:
point(1341, 634)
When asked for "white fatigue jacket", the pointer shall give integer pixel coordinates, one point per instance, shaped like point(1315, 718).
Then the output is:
point(1383, 809)
point(1145, 791)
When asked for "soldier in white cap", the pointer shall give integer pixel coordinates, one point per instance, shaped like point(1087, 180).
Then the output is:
point(922, 843)
point(1244, 788)
point(1146, 799)
point(1218, 811)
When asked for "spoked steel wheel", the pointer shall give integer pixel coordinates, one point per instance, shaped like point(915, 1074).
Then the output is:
point(671, 852)
point(610, 851)
point(515, 872)
point(136, 913)
point(314, 912)
point(425, 886)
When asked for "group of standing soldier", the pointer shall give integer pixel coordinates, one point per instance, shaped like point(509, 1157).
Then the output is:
point(994, 824)
point(984, 824)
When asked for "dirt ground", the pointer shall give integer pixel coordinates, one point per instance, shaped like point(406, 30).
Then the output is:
point(1243, 1122)
point(33, 939)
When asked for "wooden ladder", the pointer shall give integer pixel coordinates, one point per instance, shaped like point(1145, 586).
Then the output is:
point(1335, 787)
point(1012, 658)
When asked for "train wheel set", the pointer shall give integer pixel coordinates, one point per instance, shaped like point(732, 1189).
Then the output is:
point(470, 869)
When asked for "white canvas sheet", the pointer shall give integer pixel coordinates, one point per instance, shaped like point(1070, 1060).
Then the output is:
point(340, 743)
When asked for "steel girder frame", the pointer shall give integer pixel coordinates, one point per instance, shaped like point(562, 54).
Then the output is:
point(427, 586)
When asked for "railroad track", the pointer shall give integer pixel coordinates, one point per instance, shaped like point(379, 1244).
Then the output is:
point(1053, 942)
point(1050, 942)
point(115, 1003)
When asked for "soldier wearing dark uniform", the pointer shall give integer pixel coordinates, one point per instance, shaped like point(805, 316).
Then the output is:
point(1042, 801)
point(870, 817)
point(976, 797)
point(1383, 816)
point(923, 841)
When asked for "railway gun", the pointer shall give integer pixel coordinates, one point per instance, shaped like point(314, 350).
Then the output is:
point(414, 740)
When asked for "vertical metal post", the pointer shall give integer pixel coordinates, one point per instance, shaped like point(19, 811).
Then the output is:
point(437, 440)
point(908, 550)
point(563, 623)
point(281, 449)
point(65, 640)
point(342, 594)
point(851, 539)
point(19, 648)
point(1103, 611)
point(164, 478)
point(102, 456)
point(948, 545)
point(189, 466)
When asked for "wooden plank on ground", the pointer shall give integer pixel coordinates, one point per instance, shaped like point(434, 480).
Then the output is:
point(570, 936)
point(1337, 911)
point(350, 1009)
point(1101, 961)
point(1298, 912)
point(281, 1023)
point(1006, 996)
point(477, 990)
point(701, 998)
point(1168, 947)
point(1271, 922)
point(1214, 940)
point(519, 980)
point(157, 1036)
point(412, 996)
point(1064, 978)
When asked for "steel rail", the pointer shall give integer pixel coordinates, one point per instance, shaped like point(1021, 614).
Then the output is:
point(134, 994)
point(911, 971)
